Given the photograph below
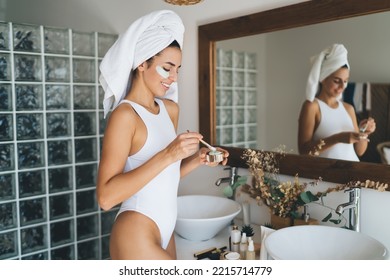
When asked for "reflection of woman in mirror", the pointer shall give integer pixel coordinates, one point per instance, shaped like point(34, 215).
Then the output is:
point(328, 126)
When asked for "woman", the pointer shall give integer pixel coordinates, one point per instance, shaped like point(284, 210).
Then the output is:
point(327, 126)
point(142, 157)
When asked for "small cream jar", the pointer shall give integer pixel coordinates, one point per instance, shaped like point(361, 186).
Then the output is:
point(231, 256)
point(214, 156)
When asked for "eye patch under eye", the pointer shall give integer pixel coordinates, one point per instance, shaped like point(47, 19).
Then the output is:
point(162, 72)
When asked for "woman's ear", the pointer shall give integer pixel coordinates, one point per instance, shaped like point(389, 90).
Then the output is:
point(142, 67)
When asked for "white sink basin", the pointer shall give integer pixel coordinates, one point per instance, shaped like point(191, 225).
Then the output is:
point(316, 242)
point(201, 217)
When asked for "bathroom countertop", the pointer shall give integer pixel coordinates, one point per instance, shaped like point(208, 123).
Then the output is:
point(185, 249)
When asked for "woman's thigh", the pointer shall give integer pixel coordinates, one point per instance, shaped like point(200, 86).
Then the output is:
point(171, 249)
point(136, 237)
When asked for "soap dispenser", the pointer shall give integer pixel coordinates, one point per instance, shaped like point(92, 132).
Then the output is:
point(243, 246)
point(250, 253)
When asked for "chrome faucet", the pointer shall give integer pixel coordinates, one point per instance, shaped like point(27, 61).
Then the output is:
point(231, 179)
point(354, 209)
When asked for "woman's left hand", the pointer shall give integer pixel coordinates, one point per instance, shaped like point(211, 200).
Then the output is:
point(203, 157)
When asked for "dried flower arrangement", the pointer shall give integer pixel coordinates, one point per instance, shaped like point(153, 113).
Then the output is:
point(317, 148)
point(286, 198)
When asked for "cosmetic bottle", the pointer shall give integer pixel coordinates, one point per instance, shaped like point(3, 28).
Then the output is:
point(243, 245)
point(250, 253)
point(305, 219)
point(235, 238)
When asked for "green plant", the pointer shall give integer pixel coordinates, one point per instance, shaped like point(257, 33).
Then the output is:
point(228, 191)
point(248, 229)
point(269, 225)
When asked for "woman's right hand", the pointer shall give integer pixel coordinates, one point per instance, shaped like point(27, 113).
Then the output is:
point(184, 145)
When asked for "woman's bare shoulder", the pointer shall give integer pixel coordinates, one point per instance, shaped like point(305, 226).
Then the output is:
point(173, 110)
point(122, 116)
point(171, 105)
point(310, 106)
point(350, 109)
point(348, 106)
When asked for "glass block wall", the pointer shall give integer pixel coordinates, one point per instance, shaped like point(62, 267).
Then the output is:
point(51, 127)
point(236, 98)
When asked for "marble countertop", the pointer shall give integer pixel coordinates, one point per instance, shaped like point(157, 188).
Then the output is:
point(185, 249)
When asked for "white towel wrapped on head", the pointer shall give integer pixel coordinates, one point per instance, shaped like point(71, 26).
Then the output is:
point(144, 38)
point(324, 64)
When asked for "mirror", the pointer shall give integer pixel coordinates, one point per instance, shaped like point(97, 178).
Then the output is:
point(279, 62)
point(293, 16)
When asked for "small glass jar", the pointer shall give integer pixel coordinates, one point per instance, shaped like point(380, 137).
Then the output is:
point(231, 256)
point(214, 156)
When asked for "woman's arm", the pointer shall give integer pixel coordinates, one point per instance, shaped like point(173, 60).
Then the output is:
point(362, 143)
point(307, 123)
point(197, 159)
point(114, 186)
point(309, 119)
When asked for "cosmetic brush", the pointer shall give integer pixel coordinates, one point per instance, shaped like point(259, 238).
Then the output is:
point(363, 129)
point(207, 144)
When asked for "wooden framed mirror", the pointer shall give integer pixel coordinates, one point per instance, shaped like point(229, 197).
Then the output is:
point(307, 13)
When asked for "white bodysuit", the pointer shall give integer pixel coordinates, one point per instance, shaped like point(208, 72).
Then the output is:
point(157, 199)
point(335, 120)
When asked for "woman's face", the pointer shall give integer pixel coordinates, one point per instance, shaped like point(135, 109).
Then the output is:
point(163, 71)
point(335, 84)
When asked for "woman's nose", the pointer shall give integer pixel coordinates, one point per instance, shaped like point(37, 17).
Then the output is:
point(173, 75)
point(341, 86)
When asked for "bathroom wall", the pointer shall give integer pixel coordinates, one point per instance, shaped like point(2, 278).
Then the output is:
point(51, 128)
